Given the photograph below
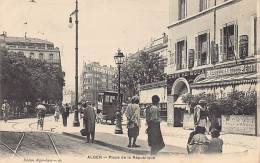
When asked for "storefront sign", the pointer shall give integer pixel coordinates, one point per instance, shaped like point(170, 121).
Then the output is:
point(188, 73)
point(236, 70)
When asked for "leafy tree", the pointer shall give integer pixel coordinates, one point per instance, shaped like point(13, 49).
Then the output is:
point(143, 69)
point(237, 102)
point(25, 79)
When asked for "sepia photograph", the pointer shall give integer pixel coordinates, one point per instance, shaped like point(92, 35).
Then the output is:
point(129, 81)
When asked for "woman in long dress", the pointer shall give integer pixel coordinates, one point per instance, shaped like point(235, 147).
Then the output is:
point(155, 139)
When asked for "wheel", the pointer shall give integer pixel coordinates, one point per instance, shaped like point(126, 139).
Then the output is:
point(113, 121)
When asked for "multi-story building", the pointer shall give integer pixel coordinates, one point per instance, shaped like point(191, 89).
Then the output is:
point(213, 49)
point(95, 78)
point(32, 48)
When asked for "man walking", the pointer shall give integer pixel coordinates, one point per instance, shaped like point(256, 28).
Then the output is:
point(89, 120)
point(5, 109)
point(65, 114)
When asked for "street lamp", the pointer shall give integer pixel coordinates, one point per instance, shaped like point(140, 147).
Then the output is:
point(76, 116)
point(119, 59)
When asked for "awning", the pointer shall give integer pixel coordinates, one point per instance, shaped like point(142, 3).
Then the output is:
point(228, 80)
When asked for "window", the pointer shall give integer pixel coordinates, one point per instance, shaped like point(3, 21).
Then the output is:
point(40, 56)
point(31, 55)
point(182, 9)
point(50, 56)
point(203, 5)
point(181, 55)
point(228, 42)
point(202, 48)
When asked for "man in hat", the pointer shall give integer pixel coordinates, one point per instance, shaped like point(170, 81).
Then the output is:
point(200, 114)
point(89, 119)
point(5, 109)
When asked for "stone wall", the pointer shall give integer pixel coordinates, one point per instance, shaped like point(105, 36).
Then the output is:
point(238, 124)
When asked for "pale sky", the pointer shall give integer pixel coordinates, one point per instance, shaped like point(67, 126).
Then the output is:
point(104, 26)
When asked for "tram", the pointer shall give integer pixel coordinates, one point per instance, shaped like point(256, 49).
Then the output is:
point(107, 103)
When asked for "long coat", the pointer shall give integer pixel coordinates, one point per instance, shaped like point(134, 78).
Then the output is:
point(89, 119)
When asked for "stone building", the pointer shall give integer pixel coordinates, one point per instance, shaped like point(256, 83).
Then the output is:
point(32, 48)
point(95, 78)
point(213, 49)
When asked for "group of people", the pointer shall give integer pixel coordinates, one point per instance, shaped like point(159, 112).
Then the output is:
point(132, 112)
point(64, 110)
point(197, 141)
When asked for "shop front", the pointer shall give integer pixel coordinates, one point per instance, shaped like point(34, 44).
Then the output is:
point(220, 80)
point(179, 85)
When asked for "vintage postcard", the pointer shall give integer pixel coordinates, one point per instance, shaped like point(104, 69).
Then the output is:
point(129, 81)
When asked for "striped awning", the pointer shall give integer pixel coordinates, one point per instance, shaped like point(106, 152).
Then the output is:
point(228, 80)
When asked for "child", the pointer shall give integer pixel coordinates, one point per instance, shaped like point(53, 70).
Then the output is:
point(199, 141)
point(191, 136)
point(215, 144)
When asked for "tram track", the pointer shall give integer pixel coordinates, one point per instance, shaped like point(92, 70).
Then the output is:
point(22, 138)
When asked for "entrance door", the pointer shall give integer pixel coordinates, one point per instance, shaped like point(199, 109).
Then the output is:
point(178, 117)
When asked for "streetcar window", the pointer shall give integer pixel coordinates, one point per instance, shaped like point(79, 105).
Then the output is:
point(106, 98)
point(112, 99)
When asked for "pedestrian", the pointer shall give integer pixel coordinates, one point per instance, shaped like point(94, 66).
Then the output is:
point(5, 109)
point(99, 116)
point(57, 109)
point(155, 139)
point(201, 114)
point(65, 114)
point(199, 142)
point(25, 111)
point(132, 114)
point(190, 138)
point(215, 143)
point(89, 119)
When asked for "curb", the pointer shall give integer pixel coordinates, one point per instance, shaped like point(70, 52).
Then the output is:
point(115, 147)
point(140, 152)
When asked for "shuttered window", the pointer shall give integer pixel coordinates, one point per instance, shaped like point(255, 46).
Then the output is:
point(182, 9)
point(203, 5)
point(181, 54)
point(202, 49)
point(184, 55)
point(229, 42)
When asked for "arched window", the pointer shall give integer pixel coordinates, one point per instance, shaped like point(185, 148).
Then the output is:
point(50, 56)
point(40, 56)
point(31, 55)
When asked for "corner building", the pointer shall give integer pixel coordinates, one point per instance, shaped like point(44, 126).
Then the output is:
point(213, 49)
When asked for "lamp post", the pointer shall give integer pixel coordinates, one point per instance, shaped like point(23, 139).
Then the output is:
point(76, 117)
point(119, 59)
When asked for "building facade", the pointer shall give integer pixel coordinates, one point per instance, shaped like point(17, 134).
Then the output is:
point(213, 49)
point(32, 48)
point(95, 78)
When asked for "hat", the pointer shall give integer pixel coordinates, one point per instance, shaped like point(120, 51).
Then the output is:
point(202, 101)
point(5, 100)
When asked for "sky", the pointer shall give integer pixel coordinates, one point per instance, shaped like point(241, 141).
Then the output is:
point(104, 26)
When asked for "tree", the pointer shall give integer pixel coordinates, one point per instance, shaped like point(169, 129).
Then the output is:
point(25, 79)
point(144, 69)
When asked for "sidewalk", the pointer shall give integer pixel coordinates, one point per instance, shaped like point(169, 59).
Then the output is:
point(174, 138)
